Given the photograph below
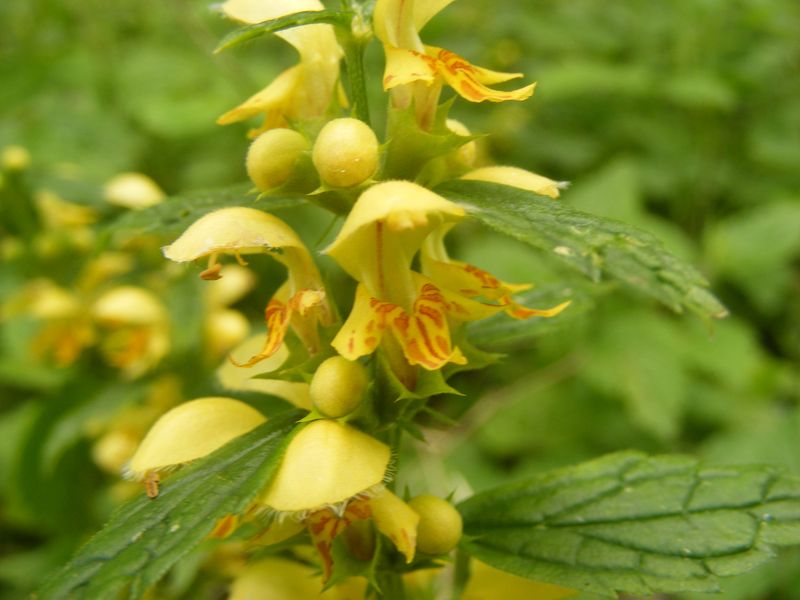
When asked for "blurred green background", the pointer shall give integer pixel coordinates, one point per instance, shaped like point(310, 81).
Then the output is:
point(681, 117)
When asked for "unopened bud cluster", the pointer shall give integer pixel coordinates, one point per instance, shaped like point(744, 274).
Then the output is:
point(345, 154)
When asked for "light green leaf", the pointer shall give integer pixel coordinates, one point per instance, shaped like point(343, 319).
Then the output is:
point(309, 17)
point(146, 537)
point(175, 214)
point(598, 246)
point(632, 523)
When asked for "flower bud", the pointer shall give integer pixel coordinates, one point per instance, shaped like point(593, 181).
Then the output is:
point(273, 156)
point(133, 190)
point(337, 387)
point(440, 524)
point(345, 153)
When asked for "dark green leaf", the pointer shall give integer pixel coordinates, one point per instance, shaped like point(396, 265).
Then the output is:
point(598, 246)
point(146, 537)
point(175, 214)
point(309, 17)
point(628, 522)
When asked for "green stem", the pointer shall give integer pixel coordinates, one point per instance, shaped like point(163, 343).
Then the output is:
point(391, 586)
point(354, 43)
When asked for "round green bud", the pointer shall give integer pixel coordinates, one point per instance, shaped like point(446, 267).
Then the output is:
point(439, 526)
point(337, 387)
point(272, 157)
point(345, 153)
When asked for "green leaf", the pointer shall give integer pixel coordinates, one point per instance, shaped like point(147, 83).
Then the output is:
point(598, 246)
point(632, 523)
point(309, 17)
point(175, 214)
point(146, 537)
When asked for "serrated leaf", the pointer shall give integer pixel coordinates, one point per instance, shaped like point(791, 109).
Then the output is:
point(598, 246)
point(632, 523)
point(146, 537)
point(309, 17)
point(173, 215)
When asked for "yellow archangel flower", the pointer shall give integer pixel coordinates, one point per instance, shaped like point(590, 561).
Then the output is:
point(376, 245)
point(331, 476)
point(415, 72)
point(300, 302)
point(302, 92)
point(136, 329)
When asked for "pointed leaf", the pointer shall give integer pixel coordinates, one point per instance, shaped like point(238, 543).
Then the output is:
point(632, 523)
point(308, 17)
point(598, 246)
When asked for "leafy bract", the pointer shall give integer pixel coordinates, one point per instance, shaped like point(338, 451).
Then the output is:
point(175, 214)
point(146, 537)
point(308, 17)
point(632, 523)
point(595, 245)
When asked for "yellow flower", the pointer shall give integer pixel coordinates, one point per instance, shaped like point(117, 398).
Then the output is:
point(471, 282)
point(415, 72)
point(65, 330)
point(376, 245)
point(300, 302)
point(133, 190)
point(136, 329)
point(331, 476)
point(281, 579)
point(302, 92)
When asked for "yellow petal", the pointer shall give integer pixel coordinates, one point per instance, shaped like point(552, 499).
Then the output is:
point(327, 462)
point(223, 329)
point(192, 430)
point(468, 280)
point(236, 229)
point(425, 10)
point(325, 524)
point(405, 66)
point(396, 520)
point(517, 311)
point(235, 281)
point(256, 11)
point(133, 190)
point(488, 583)
point(303, 310)
point(518, 178)
point(362, 332)
point(275, 578)
point(129, 305)
point(466, 79)
point(404, 208)
point(275, 97)
point(425, 334)
point(243, 379)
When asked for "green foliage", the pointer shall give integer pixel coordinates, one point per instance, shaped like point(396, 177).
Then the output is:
point(145, 537)
point(592, 244)
point(174, 215)
point(635, 524)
